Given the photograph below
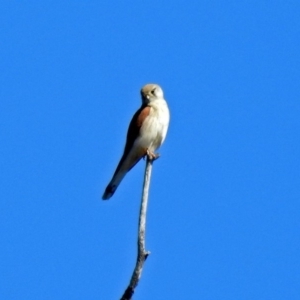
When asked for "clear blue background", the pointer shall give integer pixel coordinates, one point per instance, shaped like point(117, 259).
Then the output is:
point(224, 211)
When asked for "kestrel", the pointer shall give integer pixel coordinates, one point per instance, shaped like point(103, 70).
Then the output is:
point(147, 131)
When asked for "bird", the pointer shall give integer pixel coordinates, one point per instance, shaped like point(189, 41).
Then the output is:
point(146, 133)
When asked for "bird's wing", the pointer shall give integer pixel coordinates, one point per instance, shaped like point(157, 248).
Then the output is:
point(133, 133)
point(130, 156)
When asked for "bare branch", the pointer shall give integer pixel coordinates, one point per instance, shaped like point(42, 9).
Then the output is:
point(142, 253)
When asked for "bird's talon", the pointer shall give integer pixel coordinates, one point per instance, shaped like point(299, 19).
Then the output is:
point(152, 156)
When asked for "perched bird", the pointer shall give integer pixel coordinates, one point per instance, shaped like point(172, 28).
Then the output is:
point(147, 131)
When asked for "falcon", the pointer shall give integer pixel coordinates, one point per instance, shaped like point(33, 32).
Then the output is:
point(147, 131)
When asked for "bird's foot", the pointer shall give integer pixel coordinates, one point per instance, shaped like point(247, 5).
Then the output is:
point(152, 156)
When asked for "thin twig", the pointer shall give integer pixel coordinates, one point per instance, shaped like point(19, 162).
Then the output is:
point(142, 253)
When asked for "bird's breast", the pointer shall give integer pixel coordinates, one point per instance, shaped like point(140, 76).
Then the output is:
point(155, 126)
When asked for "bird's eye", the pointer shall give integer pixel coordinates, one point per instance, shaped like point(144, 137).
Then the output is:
point(153, 92)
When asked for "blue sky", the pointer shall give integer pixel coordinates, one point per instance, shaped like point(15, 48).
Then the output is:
point(224, 211)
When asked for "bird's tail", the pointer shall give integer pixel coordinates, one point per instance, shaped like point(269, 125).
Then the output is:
point(126, 163)
point(112, 186)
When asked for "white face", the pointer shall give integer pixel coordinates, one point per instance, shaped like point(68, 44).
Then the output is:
point(157, 91)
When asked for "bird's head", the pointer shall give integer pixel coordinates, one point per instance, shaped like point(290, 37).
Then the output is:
point(151, 92)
